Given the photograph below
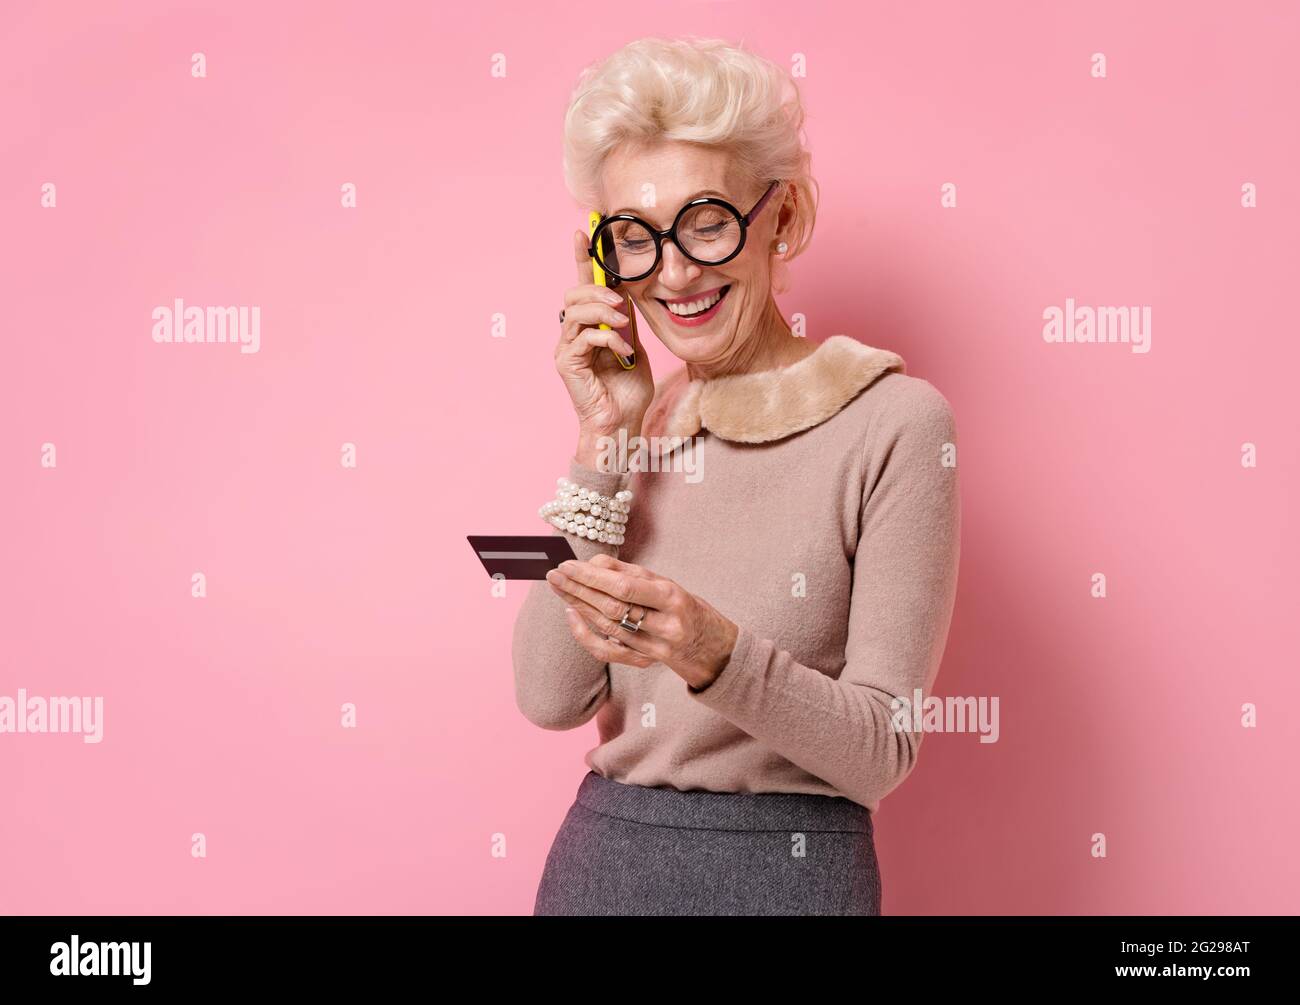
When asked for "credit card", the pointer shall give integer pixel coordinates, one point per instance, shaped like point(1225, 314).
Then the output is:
point(521, 556)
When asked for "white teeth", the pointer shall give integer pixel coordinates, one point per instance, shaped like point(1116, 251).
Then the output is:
point(695, 306)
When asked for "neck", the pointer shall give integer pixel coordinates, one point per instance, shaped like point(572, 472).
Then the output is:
point(773, 347)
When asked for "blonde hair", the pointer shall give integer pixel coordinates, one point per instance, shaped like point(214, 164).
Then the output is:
point(694, 90)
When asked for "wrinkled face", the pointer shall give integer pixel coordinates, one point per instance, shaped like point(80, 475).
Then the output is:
point(672, 174)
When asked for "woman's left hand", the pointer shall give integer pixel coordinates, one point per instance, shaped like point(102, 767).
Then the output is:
point(678, 629)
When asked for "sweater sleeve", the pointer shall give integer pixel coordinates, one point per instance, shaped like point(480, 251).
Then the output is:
point(903, 589)
point(558, 684)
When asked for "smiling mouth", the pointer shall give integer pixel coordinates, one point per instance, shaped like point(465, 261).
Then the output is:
point(696, 308)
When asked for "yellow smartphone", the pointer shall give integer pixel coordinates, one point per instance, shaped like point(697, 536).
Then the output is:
point(598, 274)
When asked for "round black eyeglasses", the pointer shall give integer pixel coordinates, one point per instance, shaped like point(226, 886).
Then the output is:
point(708, 231)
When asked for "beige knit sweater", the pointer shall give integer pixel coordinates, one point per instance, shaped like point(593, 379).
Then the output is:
point(820, 513)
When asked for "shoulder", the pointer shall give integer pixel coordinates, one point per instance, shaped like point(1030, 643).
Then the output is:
point(908, 443)
point(898, 405)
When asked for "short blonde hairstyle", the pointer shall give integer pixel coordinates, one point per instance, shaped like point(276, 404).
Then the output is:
point(698, 91)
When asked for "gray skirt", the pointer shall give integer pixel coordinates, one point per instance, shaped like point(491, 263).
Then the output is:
point(632, 850)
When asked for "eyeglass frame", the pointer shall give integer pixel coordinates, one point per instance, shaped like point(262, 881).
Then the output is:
point(671, 233)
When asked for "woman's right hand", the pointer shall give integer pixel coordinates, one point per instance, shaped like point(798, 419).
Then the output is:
point(606, 398)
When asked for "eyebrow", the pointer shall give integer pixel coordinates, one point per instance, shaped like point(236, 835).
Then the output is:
point(702, 192)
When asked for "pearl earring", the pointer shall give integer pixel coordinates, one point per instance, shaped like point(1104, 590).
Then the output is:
point(782, 248)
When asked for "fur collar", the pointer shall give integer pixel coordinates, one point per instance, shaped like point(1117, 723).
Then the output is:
point(772, 404)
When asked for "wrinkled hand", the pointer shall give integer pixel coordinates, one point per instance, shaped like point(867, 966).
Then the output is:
point(678, 629)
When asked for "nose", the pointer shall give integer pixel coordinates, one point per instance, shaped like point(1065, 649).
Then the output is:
point(677, 271)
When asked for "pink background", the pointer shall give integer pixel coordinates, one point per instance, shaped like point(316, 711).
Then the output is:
point(329, 585)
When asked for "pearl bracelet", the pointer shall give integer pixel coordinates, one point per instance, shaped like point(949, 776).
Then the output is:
point(587, 513)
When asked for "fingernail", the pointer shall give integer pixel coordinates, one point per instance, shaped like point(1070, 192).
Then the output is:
point(613, 298)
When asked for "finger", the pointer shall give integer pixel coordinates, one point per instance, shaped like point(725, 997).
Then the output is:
point(650, 593)
point(612, 608)
point(601, 648)
point(659, 627)
point(592, 293)
point(589, 314)
point(581, 242)
point(638, 641)
point(644, 640)
point(590, 339)
point(597, 616)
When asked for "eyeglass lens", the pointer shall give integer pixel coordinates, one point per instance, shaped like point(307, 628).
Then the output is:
point(708, 233)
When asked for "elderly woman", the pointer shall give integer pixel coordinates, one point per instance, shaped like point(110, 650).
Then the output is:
point(748, 632)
